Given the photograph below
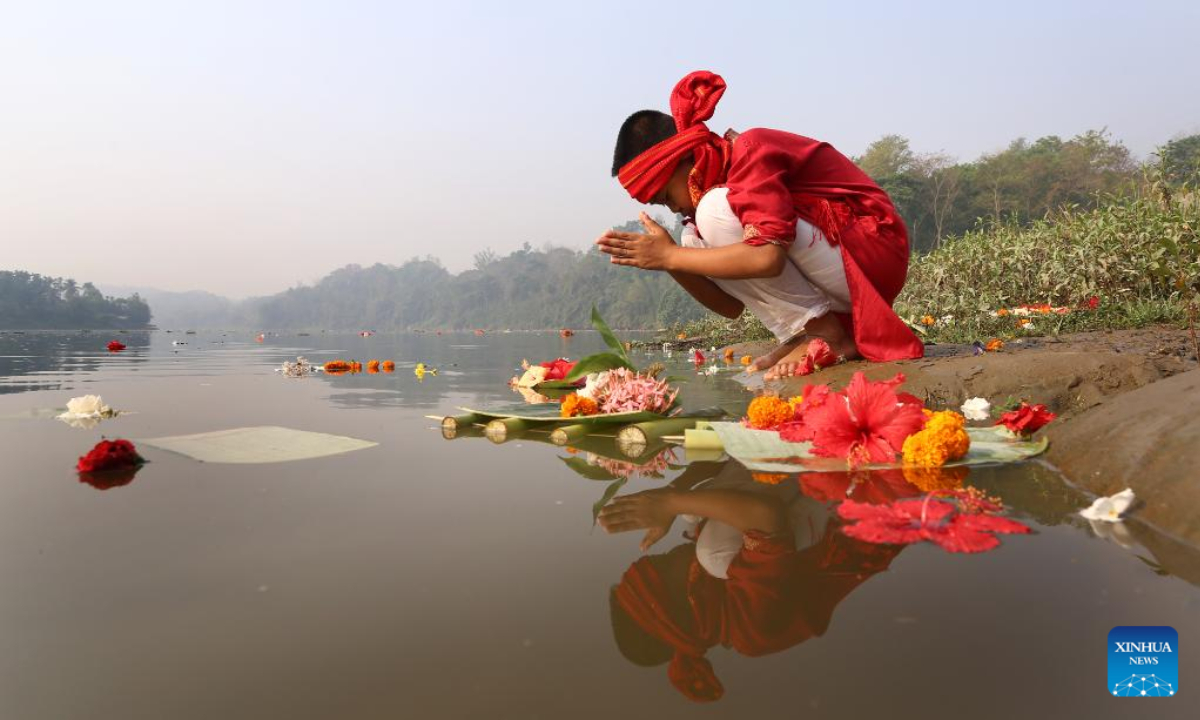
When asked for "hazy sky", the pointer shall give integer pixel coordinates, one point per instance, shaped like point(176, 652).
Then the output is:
point(242, 147)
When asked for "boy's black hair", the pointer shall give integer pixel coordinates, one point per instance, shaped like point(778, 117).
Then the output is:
point(641, 131)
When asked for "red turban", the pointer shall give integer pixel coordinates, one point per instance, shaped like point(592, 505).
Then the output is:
point(692, 102)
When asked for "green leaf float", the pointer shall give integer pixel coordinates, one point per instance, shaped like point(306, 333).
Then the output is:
point(765, 451)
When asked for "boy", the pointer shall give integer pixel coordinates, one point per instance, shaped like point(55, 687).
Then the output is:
point(779, 224)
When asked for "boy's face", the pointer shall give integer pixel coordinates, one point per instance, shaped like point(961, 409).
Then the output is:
point(675, 193)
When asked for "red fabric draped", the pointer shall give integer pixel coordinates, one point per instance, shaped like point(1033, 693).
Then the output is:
point(774, 178)
point(692, 102)
point(775, 598)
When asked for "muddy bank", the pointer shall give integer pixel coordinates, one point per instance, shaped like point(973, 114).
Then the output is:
point(1128, 401)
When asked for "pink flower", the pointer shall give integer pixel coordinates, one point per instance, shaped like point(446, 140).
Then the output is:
point(904, 522)
point(866, 423)
point(627, 391)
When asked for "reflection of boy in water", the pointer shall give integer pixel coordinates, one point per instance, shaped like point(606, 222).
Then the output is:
point(764, 572)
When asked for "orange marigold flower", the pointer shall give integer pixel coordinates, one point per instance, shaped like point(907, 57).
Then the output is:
point(767, 412)
point(337, 366)
point(1022, 322)
point(994, 344)
point(769, 478)
point(746, 359)
point(729, 354)
point(1002, 312)
point(681, 336)
point(943, 439)
point(387, 366)
point(574, 405)
point(928, 320)
point(372, 366)
point(355, 366)
point(937, 478)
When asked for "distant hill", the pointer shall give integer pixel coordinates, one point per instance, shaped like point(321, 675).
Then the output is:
point(526, 290)
point(32, 301)
point(190, 309)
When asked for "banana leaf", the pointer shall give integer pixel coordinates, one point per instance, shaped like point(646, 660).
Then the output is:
point(609, 493)
point(597, 363)
point(550, 413)
point(606, 332)
point(586, 470)
point(765, 451)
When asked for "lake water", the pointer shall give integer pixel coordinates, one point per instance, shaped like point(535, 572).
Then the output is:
point(430, 578)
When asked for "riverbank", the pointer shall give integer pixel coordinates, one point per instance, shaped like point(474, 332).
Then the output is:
point(1126, 401)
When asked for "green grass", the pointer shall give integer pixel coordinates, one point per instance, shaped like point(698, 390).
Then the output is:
point(1138, 253)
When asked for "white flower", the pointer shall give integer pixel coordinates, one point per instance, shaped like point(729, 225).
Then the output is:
point(87, 406)
point(976, 409)
point(667, 348)
point(1027, 326)
point(1117, 532)
point(86, 412)
point(1109, 509)
point(711, 370)
point(596, 382)
point(946, 320)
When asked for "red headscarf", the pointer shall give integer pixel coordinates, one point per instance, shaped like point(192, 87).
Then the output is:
point(692, 102)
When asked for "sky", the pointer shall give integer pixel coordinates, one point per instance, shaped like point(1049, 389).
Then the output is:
point(244, 147)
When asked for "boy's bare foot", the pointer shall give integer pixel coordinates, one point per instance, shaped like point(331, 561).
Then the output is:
point(772, 358)
point(826, 328)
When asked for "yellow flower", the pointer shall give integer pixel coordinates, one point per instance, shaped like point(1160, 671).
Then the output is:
point(928, 320)
point(934, 479)
point(796, 402)
point(574, 405)
point(769, 478)
point(944, 439)
point(767, 412)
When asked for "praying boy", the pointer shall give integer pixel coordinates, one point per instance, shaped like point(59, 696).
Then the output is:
point(779, 224)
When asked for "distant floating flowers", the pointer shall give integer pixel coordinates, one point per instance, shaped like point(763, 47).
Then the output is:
point(387, 366)
point(566, 332)
point(115, 346)
point(421, 370)
point(994, 345)
point(300, 368)
point(746, 359)
point(366, 333)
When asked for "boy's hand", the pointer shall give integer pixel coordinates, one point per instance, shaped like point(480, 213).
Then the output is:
point(649, 251)
point(649, 510)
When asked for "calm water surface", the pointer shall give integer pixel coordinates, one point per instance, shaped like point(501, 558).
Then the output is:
point(435, 578)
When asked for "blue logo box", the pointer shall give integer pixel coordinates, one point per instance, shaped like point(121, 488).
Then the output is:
point(1143, 661)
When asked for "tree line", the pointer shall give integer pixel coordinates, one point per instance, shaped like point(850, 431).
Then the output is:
point(28, 300)
point(940, 197)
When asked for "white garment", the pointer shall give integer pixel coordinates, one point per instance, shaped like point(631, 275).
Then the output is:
point(812, 283)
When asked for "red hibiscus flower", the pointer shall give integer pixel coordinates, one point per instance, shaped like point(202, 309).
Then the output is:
point(116, 346)
point(866, 423)
point(1093, 302)
point(866, 486)
point(558, 369)
point(698, 357)
point(798, 430)
point(818, 355)
point(109, 455)
point(904, 522)
point(1027, 419)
